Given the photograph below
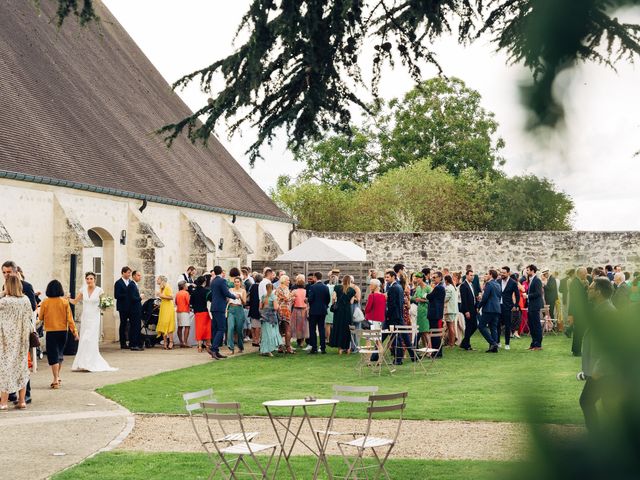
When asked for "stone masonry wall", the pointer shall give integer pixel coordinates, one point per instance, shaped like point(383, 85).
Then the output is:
point(557, 251)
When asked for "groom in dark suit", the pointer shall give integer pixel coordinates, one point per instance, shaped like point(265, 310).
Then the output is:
point(220, 296)
point(509, 301)
point(490, 305)
point(124, 300)
point(468, 309)
point(135, 324)
point(435, 309)
point(536, 303)
point(319, 300)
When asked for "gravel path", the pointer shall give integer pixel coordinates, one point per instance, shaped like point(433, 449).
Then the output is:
point(446, 440)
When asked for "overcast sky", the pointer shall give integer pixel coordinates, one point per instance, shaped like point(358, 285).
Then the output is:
point(593, 162)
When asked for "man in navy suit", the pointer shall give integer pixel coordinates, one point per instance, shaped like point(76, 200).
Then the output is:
point(135, 324)
point(468, 309)
point(319, 299)
point(509, 300)
point(490, 305)
point(220, 296)
point(394, 316)
point(536, 303)
point(435, 310)
point(123, 296)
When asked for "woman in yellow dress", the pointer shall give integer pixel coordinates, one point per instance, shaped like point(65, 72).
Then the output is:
point(167, 316)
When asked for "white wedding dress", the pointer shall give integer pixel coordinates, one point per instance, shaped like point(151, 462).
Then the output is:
point(88, 357)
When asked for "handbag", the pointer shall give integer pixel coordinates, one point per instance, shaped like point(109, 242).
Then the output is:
point(358, 316)
point(334, 307)
point(34, 340)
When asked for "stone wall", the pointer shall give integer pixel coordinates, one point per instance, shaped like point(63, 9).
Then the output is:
point(554, 250)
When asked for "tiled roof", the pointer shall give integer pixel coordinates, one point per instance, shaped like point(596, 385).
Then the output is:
point(81, 105)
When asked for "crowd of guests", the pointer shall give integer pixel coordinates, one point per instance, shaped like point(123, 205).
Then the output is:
point(276, 313)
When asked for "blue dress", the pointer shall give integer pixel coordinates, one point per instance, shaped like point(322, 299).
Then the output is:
point(270, 338)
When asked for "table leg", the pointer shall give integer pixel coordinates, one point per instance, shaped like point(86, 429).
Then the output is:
point(322, 445)
point(282, 442)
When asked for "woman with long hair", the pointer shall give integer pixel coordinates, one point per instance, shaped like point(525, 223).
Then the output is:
point(328, 321)
point(88, 358)
point(283, 295)
point(254, 310)
point(15, 327)
point(235, 315)
point(299, 315)
point(342, 316)
point(167, 316)
point(270, 338)
point(55, 313)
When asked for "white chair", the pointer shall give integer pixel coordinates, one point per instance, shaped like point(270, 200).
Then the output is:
point(374, 342)
point(231, 456)
point(428, 352)
point(380, 447)
point(193, 404)
point(344, 393)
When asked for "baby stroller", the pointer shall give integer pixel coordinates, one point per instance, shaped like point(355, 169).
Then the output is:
point(150, 313)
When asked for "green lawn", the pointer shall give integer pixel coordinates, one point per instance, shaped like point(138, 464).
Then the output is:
point(463, 386)
point(149, 466)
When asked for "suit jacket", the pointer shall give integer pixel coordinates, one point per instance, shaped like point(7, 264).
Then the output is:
point(551, 290)
point(620, 297)
point(122, 294)
point(319, 299)
point(467, 299)
point(476, 284)
point(578, 299)
point(435, 311)
point(564, 290)
point(395, 302)
point(136, 298)
point(219, 294)
point(507, 294)
point(27, 289)
point(536, 294)
point(490, 302)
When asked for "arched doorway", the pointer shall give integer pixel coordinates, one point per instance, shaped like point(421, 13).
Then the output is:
point(99, 259)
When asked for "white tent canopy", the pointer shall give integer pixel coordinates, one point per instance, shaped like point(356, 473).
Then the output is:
point(318, 249)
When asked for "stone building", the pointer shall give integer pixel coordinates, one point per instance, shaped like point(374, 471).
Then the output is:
point(82, 175)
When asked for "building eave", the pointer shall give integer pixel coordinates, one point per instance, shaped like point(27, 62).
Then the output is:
point(138, 196)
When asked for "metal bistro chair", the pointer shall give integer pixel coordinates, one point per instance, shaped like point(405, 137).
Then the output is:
point(193, 404)
point(374, 338)
point(367, 441)
point(428, 352)
point(412, 331)
point(344, 393)
point(233, 455)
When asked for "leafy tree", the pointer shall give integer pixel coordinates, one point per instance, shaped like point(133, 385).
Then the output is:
point(299, 69)
point(419, 197)
point(529, 203)
point(440, 119)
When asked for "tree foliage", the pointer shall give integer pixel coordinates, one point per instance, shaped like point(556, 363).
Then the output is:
point(299, 69)
point(440, 119)
point(419, 197)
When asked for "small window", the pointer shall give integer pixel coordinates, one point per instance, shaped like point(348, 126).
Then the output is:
point(97, 269)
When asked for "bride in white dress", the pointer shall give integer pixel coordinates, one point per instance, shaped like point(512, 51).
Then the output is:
point(88, 357)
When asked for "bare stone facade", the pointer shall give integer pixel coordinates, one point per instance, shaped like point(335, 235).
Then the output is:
point(557, 251)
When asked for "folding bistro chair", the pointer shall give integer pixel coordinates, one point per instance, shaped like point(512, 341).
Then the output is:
point(345, 394)
point(193, 404)
point(374, 338)
point(411, 330)
point(428, 352)
point(378, 404)
point(231, 456)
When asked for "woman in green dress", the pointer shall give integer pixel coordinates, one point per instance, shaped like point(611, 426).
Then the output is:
point(420, 298)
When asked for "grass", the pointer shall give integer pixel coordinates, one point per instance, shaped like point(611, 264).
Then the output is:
point(162, 466)
point(462, 386)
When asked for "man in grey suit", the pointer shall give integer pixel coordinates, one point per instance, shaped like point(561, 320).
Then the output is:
point(490, 305)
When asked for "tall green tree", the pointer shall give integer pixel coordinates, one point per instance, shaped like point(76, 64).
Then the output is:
point(440, 119)
point(300, 67)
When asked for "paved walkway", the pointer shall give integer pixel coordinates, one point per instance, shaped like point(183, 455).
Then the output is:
point(62, 427)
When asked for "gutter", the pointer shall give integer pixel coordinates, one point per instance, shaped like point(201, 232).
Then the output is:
point(139, 196)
